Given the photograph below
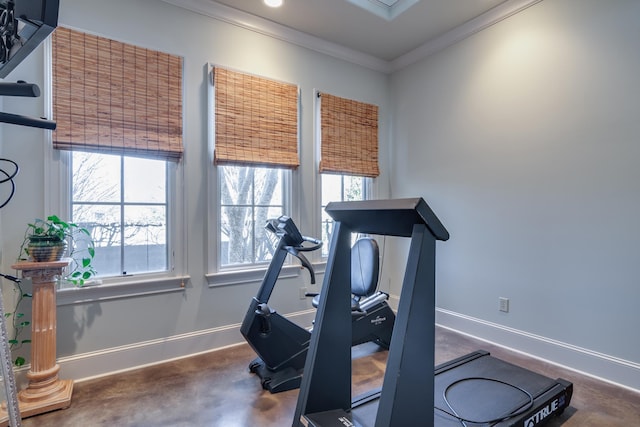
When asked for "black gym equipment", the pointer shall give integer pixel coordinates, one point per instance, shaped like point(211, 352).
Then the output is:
point(280, 344)
point(473, 390)
point(372, 318)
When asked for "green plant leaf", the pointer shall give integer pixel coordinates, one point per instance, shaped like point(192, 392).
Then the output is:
point(86, 262)
point(20, 361)
point(25, 323)
point(7, 315)
point(12, 342)
point(19, 315)
point(26, 341)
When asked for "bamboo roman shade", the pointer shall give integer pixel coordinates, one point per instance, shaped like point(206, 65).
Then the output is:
point(256, 120)
point(116, 98)
point(349, 136)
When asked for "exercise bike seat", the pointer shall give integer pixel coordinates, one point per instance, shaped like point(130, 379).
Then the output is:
point(365, 266)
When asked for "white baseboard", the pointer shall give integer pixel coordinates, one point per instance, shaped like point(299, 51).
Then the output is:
point(125, 358)
point(608, 368)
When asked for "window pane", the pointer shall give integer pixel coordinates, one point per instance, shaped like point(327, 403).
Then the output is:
point(268, 186)
point(103, 222)
point(249, 197)
point(145, 235)
point(331, 188)
point(96, 177)
point(236, 226)
point(144, 180)
point(337, 188)
point(236, 184)
point(353, 188)
point(123, 202)
point(264, 242)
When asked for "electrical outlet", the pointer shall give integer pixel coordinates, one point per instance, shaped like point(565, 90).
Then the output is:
point(504, 304)
point(303, 293)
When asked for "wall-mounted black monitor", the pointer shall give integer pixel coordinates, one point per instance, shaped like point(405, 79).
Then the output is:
point(24, 24)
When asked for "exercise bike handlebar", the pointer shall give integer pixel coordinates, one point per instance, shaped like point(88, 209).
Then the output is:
point(317, 244)
point(292, 241)
point(303, 260)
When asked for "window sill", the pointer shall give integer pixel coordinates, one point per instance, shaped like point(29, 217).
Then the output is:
point(120, 289)
point(240, 277)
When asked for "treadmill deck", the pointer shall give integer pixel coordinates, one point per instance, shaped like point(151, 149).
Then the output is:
point(478, 387)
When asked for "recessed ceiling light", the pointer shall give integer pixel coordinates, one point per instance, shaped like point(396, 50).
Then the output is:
point(273, 3)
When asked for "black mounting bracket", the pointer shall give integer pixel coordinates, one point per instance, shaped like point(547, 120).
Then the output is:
point(22, 88)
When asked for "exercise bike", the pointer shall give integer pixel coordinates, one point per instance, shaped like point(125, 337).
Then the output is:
point(280, 344)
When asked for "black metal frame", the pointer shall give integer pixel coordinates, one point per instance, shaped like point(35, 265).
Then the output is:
point(409, 385)
point(326, 385)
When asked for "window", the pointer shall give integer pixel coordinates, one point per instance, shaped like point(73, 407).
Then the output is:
point(348, 153)
point(338, 188)
point(122, 201)
point(118, 139)
point(255, 140)
point(248, 197)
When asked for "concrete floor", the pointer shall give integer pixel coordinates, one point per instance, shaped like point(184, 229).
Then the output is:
point(216, 390)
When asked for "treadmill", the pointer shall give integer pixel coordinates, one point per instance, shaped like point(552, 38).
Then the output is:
point(471, 391)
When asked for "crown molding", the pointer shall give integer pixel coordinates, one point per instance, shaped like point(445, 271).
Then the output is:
point(461, 32)
point(263, 26)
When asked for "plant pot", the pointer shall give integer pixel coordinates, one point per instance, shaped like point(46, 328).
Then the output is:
point(46, 249)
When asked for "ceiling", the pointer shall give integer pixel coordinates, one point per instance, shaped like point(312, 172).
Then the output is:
point(383, 35)
point(347, 24)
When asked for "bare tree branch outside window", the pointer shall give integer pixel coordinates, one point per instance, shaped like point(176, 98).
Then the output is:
point(249, 197)
point(122, 202)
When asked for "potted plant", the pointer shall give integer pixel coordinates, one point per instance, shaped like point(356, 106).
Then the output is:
point(48, 240)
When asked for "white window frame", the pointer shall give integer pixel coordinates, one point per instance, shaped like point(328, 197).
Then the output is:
point(173, 279)
point(216, 275)
point(370, 184)
point(247, 273)
point(286, 205)
point(367, 184)
point(57, 199)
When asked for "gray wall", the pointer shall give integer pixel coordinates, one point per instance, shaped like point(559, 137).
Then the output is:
point(98, 326)
point(524, 139)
